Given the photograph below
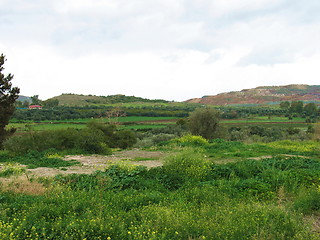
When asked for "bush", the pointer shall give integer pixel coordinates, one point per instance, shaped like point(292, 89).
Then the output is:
point(34, 141)
point(97, 138)
point(185, 167)
point(123, 139)
point(92, 141)
point(85, 140)
point(145, 142)
point(204, 122)
point(125, 176)
point(114, 138)
point(190, 140)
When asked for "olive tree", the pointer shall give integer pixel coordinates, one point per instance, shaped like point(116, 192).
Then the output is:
point(204, 122)
point(8, 96)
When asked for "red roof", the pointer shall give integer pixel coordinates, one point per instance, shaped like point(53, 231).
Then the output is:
point(34, 106)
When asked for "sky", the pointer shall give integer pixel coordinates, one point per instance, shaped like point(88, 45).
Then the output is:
point(158, 49)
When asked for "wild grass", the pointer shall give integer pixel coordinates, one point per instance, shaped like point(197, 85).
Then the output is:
point(22, 185)
point(265, 119)
point(35, 159)
point(145, 159)
point(11, 169)
point(190, 197)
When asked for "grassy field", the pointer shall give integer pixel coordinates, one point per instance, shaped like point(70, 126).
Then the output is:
point(130, 123)
point(217, 190)
point(274, 122)
point(120, 119)
point(264, 119)
point(138, 122)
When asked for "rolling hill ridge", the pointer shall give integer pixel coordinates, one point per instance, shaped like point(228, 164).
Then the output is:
point(264, 95)
point(86, 100)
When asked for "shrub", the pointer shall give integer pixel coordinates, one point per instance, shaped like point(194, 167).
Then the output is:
point(187, 166)
point(97, 138)
point(190, 140)
point(123, 139)
point(124, 176)
point(149, 140)
point(85, 140)
point(92, 141)
point(112, 137)
point(204, 122)
point(145, 142)
point(177, 130)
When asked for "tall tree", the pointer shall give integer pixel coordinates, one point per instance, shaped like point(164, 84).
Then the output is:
point(296, 107)
point(35, 100)
point(285, 105)
point(50, 103)
point(310, 109)
point(8, 96)
point(204, 122)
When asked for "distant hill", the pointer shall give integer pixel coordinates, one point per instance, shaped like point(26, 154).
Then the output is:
point(85, 100)
point(24, 98)
point(264, 95)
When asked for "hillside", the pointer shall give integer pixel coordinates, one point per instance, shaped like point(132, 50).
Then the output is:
point(264, 95)
point(85, 100)
point(24, 98)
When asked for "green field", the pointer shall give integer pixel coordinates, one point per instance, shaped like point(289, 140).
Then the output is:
point(120, 119)
point(138, 122)
point(134, 122)
point(264, 119)
point(273, 122)
point(217, 190)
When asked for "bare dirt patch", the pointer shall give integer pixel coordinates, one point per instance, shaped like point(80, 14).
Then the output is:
point(92, 163)
point(88, 165)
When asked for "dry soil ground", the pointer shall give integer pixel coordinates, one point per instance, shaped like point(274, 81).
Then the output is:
point(89, 164)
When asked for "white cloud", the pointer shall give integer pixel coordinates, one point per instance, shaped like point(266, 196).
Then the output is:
point(158, 49)
point(222, 7)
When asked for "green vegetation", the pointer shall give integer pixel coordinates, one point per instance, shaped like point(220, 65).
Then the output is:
point(204, 122)
point(266, 95)
point(9, 169)
point(81, 100)
point(266, 119)
point(34, 159)
point(192, 196)
point(95, 138)
point(259, 180)
point(8, 96)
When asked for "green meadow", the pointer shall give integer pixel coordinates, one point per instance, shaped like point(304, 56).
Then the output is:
point(149, 178)
point(204, 190)
point(143, 122)
point(131, 122)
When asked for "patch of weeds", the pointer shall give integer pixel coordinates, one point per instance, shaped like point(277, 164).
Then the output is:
point(11, 169)
point(144, 159)
point(53, 155)
point(187, 166)
point(45, 181)
point(36, 159)
point(307, 201)
point(190, 140)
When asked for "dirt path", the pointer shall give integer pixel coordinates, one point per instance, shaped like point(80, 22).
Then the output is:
point(92, 163)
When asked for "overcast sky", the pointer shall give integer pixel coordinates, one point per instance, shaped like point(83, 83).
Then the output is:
point(159, 49)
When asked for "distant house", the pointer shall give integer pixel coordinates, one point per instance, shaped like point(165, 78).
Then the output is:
point(35, 107)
